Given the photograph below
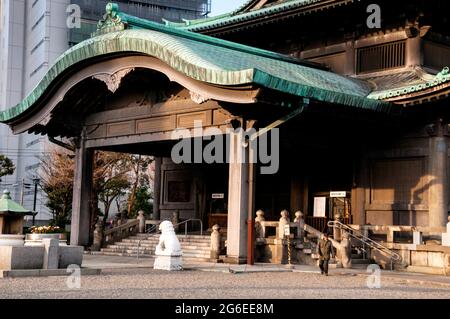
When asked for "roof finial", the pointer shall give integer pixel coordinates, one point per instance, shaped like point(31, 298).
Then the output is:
point(112, 20)
point(6, 194)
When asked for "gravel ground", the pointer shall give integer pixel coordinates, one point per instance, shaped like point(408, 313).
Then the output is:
point(142, 283)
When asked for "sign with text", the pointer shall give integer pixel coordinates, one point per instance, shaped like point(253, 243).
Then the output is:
point(287, 230)
point(320, 204)
point(338, 194)
point(218, 196)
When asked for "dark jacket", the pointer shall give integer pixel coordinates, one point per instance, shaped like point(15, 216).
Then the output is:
point(325, 248)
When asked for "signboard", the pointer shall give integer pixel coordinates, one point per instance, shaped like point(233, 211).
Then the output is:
point(218, 196)
point(287, 230)
point(320, 204)
point(338, 194)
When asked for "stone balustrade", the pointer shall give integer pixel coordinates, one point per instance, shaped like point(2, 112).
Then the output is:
point(390, 230)
point(129, 228)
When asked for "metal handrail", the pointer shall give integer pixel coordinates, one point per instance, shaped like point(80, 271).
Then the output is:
point(366, 240)
point(191, 220)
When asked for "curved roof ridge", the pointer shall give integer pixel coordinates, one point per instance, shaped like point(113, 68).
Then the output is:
point(211, 64)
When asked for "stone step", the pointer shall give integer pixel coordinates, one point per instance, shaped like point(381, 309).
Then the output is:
point(180, 237)
point(153, 246)
point(108, 252)
point(185, 259)
point(152, 251)
point(147, 241)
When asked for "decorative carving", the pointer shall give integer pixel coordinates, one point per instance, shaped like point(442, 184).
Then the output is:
point(111, 20)
point(113, 81)
point(198, 98)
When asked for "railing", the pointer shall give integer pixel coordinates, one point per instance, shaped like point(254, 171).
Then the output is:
point(319, 223)
point(115, 234)
point(366, 241)
point(186, 224)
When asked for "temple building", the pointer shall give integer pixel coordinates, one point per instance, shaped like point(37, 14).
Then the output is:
point(355, 114)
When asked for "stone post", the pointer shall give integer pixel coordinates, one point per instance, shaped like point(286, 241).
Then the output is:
point(116, 220)
point(301, 225)
point(438, 190)
point(284, 220)
point(98, 236)
point(215, 243)
point(80, 225)
point(336, 229)
point(51, 258)
point(259, 229)
point(141, 219)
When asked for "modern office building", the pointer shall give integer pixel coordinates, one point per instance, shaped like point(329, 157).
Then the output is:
point(33, 34)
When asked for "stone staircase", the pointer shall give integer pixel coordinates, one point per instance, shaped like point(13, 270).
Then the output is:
point(194, 247)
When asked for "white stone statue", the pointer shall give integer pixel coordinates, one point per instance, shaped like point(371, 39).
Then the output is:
point(168, 251)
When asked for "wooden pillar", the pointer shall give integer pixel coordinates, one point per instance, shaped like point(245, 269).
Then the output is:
point(238, 191)
point(359, 192)
point(438, 190)
point(296, 193)
point(157, 189)
point(80, 229)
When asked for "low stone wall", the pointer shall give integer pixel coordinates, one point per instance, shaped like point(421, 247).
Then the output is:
point(14, 258)
point(432, 256)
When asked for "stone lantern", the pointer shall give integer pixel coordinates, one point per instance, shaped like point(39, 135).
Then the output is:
point(11, 221)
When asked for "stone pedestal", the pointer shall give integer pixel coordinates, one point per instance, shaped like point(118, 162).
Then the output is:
point(170, 263)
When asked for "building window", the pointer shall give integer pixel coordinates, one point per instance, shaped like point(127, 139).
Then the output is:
point(38, 68)
point(381, 57)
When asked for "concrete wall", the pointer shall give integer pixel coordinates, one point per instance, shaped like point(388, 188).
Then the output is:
point(33, 257)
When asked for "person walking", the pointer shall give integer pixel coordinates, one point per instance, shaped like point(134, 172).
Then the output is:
point(325, 247)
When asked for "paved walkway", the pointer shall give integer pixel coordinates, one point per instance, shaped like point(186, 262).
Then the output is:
point(112, 262)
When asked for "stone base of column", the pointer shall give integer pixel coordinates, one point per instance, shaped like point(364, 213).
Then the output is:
point(235, 260)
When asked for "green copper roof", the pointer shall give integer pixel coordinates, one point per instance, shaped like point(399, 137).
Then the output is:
point(7, 205)
point(209, 60)
point(441, 78)
point(238, 16)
